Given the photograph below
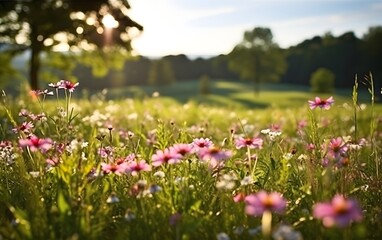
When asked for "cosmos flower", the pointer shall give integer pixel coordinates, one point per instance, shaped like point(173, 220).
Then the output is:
point(214, 156)
point(321, 103)
point(249, 142)
point(34, 143)
point(338, 212)
point(337, 147)
point(166, 156)
point(182, 148)
point(25, 127)
point(257, 204)
point(135, 167)
point(200, 143)
point(118, 167)
point(64, 84)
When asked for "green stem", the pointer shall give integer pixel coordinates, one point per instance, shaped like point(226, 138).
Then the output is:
point(266, 224)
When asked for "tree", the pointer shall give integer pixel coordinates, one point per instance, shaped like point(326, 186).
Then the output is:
point(322, 81)
point(258, 58)
point(45, 25)
point(6, 69)
point(161, 73)
point(204, 85)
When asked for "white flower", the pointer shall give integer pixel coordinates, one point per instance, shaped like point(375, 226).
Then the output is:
point(246, 181)
point(159, 174)
point(226, 182)
point(112, 198)
point(222, 236)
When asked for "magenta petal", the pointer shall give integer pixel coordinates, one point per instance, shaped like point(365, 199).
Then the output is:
point(321, 210)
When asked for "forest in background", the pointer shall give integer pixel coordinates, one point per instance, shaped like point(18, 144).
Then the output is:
point(345, 55)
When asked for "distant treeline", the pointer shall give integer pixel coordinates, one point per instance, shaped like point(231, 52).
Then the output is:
point(345, 55)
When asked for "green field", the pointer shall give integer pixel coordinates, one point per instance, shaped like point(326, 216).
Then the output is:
point(235, 94)
point(109, 166)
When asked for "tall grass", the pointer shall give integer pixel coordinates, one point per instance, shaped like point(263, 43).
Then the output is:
point(75, 186)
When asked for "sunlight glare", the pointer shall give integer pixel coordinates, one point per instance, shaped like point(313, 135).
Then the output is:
point(109, 21)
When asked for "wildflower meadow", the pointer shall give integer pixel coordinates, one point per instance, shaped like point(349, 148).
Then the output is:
point(76, 168)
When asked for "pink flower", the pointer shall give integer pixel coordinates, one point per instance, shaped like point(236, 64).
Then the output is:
point(248, 142)
point(119, 167)
point(134, 167)
point(166, 156)
point(199, 143)
point(338, 212)
point(239, 197)
point(53, 161)
point(34, 143)
point(337, 147)
point(25, 127)
point(182, 148)
point(257, 204)
point(214, 156)
point(64, 84)
point(321, 103)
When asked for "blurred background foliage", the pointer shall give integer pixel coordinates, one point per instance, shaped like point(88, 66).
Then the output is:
point(257, 58)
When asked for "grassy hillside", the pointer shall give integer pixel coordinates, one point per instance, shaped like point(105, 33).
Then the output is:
point(235, 94)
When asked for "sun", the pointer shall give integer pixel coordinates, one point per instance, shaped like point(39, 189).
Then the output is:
point(109, 21)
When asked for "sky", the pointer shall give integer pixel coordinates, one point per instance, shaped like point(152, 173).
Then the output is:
point(213, 27)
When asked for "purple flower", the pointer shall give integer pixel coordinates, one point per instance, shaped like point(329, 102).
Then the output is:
point(248, 142)
point(337, 147)
point(321, 103)
point(166, 156)
point(257, 204)
point(338, 212)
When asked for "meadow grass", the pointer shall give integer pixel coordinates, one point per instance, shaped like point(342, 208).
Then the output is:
point(110, 169)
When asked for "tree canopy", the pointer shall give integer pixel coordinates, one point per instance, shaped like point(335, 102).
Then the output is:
point(258, 58)
point(46, 25)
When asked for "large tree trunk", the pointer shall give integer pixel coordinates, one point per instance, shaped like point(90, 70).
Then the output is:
point(34, 67)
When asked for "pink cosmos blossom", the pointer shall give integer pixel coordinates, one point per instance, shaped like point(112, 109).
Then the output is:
point(24, 113)
point(134, 167)
point(64, 84)
point(337, 147)
point(182, 148)
point(34, 143)
point(119, 167)
point(338, 212)
point(248, 142)
point(166, 156)
point(321, 103)
point(25, 127)
point(41, 92)
point(106, 152)
point(257, 204)
point(200, 143)
point(53, 161)
point(214, 156)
